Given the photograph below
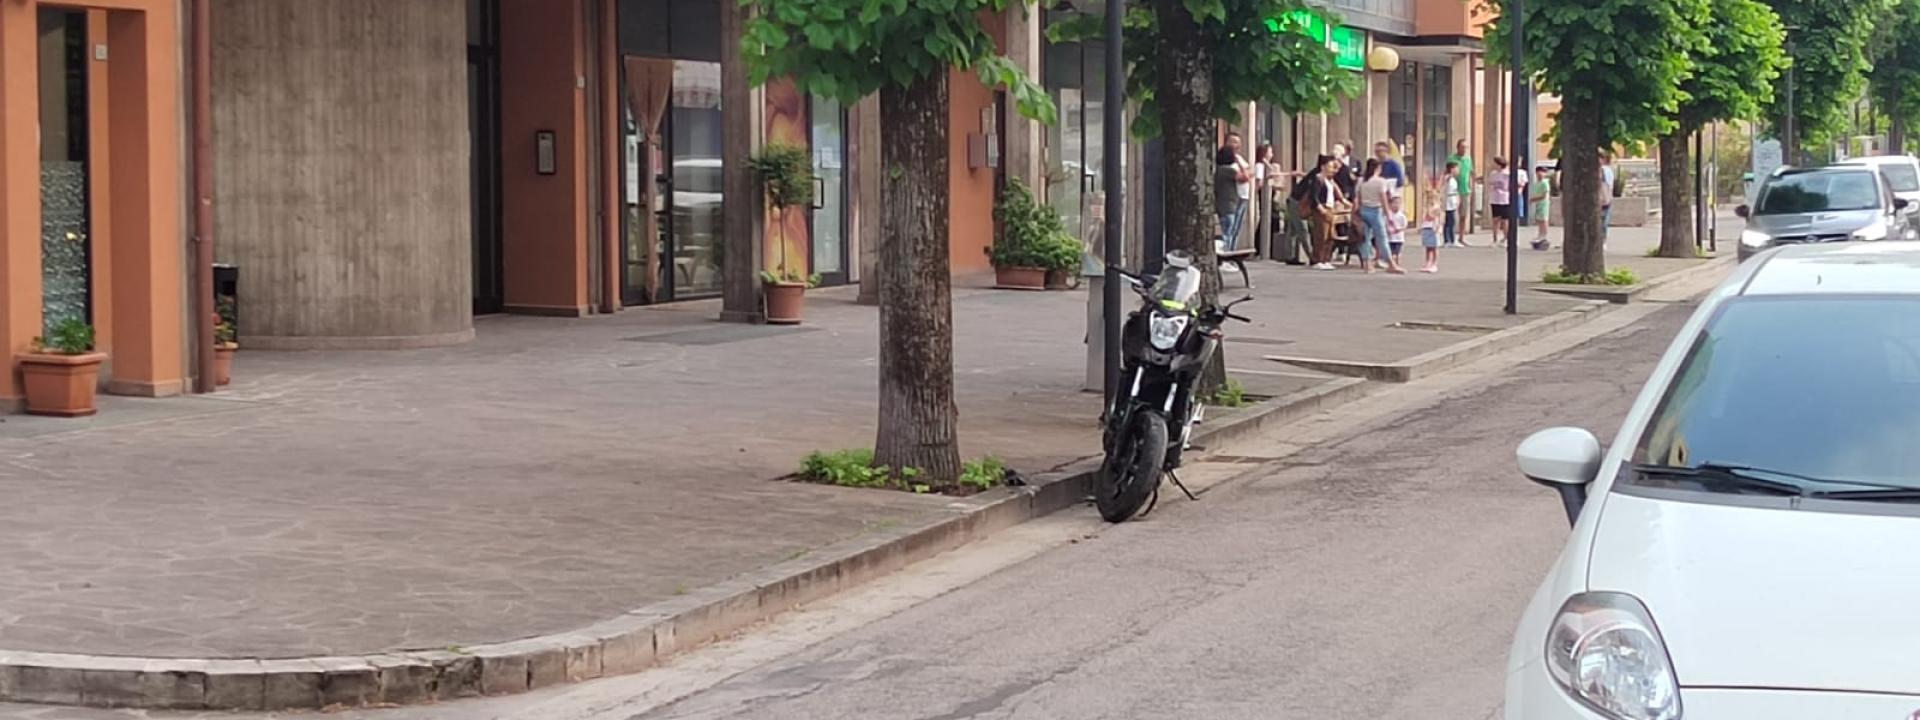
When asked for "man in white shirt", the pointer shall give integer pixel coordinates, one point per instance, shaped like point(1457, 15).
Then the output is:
point(1606, 196)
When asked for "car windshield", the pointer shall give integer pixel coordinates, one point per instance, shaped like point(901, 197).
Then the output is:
point(1820, 192)
point(1901, 176)
point(1800, 389)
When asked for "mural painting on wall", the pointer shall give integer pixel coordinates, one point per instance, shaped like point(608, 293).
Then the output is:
point(787, 124)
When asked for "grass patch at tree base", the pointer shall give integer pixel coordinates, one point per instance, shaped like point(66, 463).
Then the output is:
point(1617, 277)
point(855, 468)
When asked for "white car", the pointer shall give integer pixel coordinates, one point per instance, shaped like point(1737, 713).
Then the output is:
point(1749, 548)
point(1902, 173)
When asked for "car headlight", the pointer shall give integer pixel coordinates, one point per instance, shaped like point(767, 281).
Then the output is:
point(1604, 650)
point(1165, 331)
point(1876, 231)
point(1754, 238)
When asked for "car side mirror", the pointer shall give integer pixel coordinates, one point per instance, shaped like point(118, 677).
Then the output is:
point(1565, 459)
point(1743, 211)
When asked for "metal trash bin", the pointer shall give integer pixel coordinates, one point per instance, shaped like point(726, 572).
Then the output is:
point(226, 294)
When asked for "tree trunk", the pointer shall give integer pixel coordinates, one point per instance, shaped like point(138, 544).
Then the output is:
point(918, 420)
point(1581, 252)
point(1896, 130)
point(1676, 195)
point(1187, 127)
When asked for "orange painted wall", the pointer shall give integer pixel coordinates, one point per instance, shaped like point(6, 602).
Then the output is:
point(1466, 18)
point(137, 161)
point(543, 51)
point(970, 224)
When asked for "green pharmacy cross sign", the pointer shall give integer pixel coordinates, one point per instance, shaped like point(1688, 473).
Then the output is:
point(1349, 45)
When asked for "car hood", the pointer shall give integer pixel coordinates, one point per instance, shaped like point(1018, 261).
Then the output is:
point(1769, 598)
point(1826, 223)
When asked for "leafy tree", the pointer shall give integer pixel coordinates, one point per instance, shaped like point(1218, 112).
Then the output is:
point(1828, 45)
point(1732, 79)
point(1192, 63)
point(1617, 66)
point(1895, 80)
point(903, 50)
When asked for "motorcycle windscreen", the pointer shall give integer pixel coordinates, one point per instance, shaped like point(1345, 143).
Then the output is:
point(1176, 287)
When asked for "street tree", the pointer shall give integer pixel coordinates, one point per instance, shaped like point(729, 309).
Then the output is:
point(1895, 79)
point(1193, 63)
point(1613, 90)
point(1828, 53)
point(1732, 79)
point(903, 50)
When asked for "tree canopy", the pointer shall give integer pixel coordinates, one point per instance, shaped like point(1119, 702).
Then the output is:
point(1829, 62)
point(1259, 52)
point(1622, 59)
point(1735, 69)
point(849, 49)
point(1895, 79)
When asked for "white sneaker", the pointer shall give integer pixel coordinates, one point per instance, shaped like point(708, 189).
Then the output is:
point(1323, 266)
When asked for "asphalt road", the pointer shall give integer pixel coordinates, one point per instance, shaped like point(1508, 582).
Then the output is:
point(1376, 572)
point(1376, 576)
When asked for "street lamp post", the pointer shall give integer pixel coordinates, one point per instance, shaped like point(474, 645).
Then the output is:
point(1112, 149)
point(1521, 107)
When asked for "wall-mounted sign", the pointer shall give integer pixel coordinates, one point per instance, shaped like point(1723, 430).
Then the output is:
point(1349, 48)
point(543, 152)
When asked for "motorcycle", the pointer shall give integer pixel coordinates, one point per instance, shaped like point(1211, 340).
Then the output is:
point(1165, 345)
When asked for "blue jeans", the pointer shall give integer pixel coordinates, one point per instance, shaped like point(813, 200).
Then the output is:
point(1453, 221)
point(1373, 223)
point(1230, 225)
point(1606, 221)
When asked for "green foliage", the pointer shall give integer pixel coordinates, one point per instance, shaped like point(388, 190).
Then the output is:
point(783, 276)
point(71, 336)
point(1286, 70)
point(786, 171)
point(1895, 80)
point(1829, 62)
point(1031, 233)
point(1626, 58)
point(856, 468)
point(1619, 277)
point(1735, 69)
point(1231, 395)
point(983, 474)
point(849, 49)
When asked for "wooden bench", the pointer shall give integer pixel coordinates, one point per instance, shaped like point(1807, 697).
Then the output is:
point(1238, 258)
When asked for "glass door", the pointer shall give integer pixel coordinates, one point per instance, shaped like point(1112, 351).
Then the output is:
point(829, 122)
point(683, 257)
point(65, 249)
point(483, 125)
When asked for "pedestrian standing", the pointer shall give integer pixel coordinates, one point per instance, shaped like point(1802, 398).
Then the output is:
point(1463, 160)
point(1450, 186)
point(1346, 175)
point(1541, 194)
point(1606, 197)
point(1232, 189)
point(1396, 226)
point(1500, 199)
point(1430, 235)
point(1376, 248)
point(1390, 167)
point(1324, 203)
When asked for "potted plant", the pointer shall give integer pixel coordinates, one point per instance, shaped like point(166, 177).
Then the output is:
point(786, 172)
point(1033, 242)
point(62, 372)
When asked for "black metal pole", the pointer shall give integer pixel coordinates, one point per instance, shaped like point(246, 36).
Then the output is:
point(1517, 155)
point(1112, 139)
point(1699, 188)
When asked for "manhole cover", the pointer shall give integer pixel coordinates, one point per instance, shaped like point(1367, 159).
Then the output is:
point(719, 335)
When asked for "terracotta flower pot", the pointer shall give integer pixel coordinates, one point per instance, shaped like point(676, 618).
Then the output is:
point(223, 363)
point(61, 385)
point(1020, 278)
point(785, 303)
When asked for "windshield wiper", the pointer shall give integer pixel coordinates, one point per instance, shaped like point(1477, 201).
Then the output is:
point(1722, 476)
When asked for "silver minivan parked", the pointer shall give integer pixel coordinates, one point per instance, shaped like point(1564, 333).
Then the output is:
point(1837, 203)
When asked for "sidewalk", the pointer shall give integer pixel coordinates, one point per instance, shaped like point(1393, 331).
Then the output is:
point(558, 473)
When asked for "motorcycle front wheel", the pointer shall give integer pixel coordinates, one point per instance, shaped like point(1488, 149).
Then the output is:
point(1129, 478)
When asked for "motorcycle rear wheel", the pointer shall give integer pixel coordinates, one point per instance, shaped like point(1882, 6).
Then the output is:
point(1128, 480)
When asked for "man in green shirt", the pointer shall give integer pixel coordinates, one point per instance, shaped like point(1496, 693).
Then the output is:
point(1465, 160)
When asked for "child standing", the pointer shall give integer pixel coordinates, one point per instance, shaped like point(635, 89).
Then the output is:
point(1541, 194)
point(1430, 236)
point(1396, 226)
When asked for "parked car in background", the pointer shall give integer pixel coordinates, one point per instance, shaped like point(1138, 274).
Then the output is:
point(1837, 203)
point(1902, 172)
point(1743, 550)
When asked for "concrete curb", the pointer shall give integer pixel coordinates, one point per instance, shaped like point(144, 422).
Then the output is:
point(642, 638)
point(1466, 351)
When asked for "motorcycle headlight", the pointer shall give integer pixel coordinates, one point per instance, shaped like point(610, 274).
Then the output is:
point(1604, 650)
point(1754, 238)
point(1876, 231)
point(1165, 331)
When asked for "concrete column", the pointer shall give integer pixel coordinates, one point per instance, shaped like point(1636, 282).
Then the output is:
point(343, 170)
point(1378, 93)
point(868, 180)
point(1023, 156)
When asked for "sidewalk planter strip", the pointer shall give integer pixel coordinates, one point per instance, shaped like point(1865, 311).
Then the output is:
point(1020, 278)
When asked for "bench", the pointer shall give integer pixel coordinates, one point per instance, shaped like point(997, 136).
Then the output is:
point(1238, 258)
